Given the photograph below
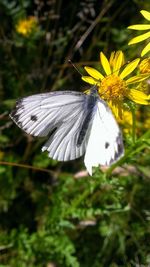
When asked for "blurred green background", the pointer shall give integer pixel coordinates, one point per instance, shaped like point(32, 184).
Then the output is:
point(52, 214)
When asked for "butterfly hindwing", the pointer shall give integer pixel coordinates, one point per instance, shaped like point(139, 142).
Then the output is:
point(105, 145)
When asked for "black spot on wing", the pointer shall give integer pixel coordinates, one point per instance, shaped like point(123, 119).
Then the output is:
point(107, 145)
point(33, 118)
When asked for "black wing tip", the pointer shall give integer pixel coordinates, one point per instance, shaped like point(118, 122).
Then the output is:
point(13, 114)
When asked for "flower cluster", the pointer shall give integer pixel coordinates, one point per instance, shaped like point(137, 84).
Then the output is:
point(120, 83)
point(142, 37)
point(114, 85)
point(26, 26)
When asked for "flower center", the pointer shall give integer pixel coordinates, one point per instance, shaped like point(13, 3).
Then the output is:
point(112, 88)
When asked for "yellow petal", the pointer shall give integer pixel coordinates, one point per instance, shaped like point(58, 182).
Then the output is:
point(94, 73)
point(89, 80)
point(138, 78)
point(105, 63)
point(111, 59)
point(140, 101)
point(140, 27)
point(118, 62)
point(144, 66)
point(138, 97)
point(116, 109)
point(139, 38)
point(129, 68)
point(145, 14)
point(113, 108)
point(145, 50)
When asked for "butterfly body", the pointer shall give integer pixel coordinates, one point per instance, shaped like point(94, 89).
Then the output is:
point(76, 123)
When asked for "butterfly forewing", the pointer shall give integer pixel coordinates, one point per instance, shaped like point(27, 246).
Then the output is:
point(60, 114)
point(37, 114)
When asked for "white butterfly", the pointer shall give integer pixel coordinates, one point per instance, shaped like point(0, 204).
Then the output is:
point(77, 123)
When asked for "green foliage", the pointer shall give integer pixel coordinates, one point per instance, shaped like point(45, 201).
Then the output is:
point(51, 214)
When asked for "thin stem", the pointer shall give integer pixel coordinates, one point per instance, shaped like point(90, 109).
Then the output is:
point(25, 166)
point(133, 125)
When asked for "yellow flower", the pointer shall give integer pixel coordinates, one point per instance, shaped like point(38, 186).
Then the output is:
point(126, 121)
point(113, 87)
point(142, 120)
point(144, 36)
point(144, 66)
point(26, 26)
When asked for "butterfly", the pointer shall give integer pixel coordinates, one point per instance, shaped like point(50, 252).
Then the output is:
point(76, 124)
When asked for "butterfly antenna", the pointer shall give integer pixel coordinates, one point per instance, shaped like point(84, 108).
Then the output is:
point(69, 60)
